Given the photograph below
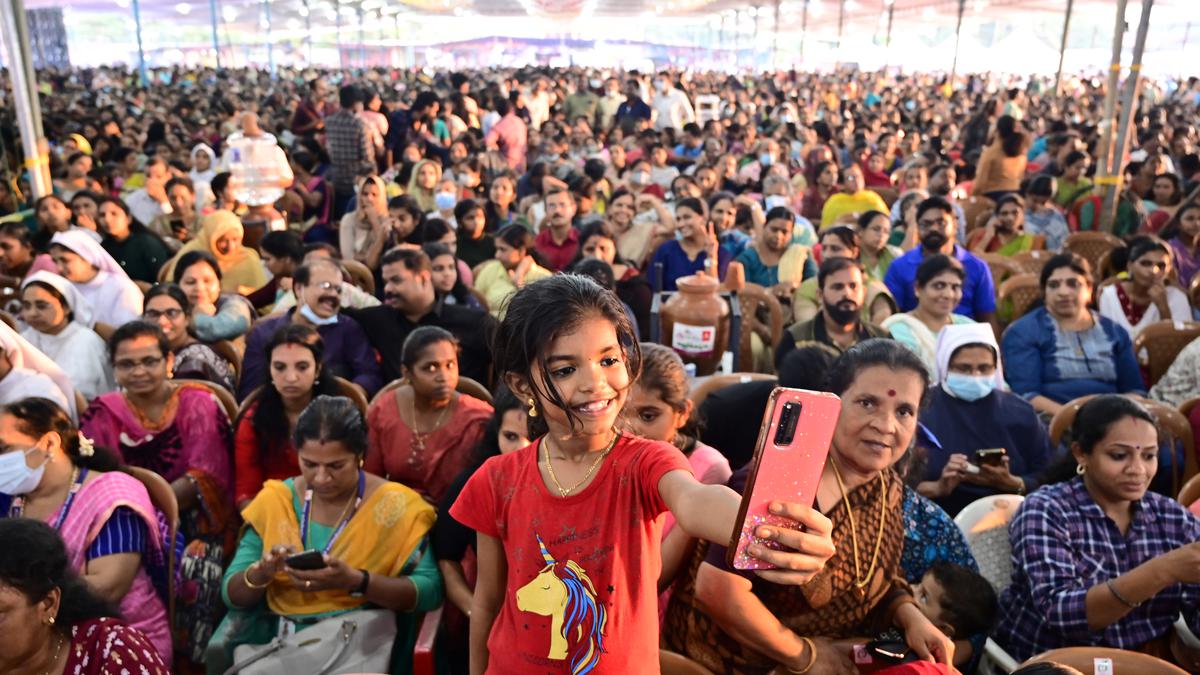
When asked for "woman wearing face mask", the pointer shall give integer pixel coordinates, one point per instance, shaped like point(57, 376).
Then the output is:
point(221, 237)
point(639, 179)
point(514, 266)
point(972, 410)
point(168, 307)
point(422, 186)
point(59, 321)
point(444, 201)
point(140, 251)
point(98, 278)
point(1005, 233)
point(454, 543)
point(104, 516)
point(214, 315)
point(1064, 348)
point(1145, 297)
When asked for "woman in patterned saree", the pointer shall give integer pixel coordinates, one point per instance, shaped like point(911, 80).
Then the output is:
point(731, 623)
point(179, 431)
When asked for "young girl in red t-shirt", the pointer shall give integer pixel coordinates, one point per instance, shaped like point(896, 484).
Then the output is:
point(569, 533)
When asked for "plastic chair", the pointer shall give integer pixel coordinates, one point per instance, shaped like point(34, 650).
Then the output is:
point(1092, 246)
point(1083, 659)
point(423, 661)
point(163, 498)
point(228, 351)
point(1162, 342)
point(345, 388)
point(975, 205)
point(702, 388)
point(1002, 267)
point(1023, 290)
point(11, 321)
point(465, 386)
point(672, 663)
point(360, 275)
point(1190, 492)
point(223, 396)
point(751, 298)
point(984, 523)
point(1032, 262)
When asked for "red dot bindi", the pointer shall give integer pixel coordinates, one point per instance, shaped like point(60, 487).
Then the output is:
point(892, 392)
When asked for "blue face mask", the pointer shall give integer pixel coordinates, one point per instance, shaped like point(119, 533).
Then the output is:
point(445, 200)
point(766, 159)
point(311, 316)
point(16, 478)
point(969, 387)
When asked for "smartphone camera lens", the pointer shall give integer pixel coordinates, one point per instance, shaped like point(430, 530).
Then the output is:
point(785, 431)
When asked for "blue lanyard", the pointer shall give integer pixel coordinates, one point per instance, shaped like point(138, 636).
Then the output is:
point(17, 509)
point(308, 494)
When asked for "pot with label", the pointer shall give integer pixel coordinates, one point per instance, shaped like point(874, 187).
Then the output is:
point(695, 322)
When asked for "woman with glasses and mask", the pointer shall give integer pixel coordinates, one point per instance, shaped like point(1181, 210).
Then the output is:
point(168, 307)
point(969, 410)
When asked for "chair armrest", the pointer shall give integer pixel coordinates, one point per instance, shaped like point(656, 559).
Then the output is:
point(423, 650)
point(996, 660)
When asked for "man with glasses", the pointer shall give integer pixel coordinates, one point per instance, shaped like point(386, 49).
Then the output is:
point(348, 353)
point(937, 229)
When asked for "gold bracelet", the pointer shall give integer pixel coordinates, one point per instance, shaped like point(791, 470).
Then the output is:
point(246, 577)
point(812, 660)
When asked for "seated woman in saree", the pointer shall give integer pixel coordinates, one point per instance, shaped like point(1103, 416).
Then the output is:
point(25, 371)
point(181, 432)
point(98, 278)
point(423, 432)
point(372, 534)
point(939, 287)
point(59, 323)
point(732, 623)
point(215, 315)
point(168, 307)
point(52, 621)
point(1099, 560)
point(220, 236)
point(104, 516)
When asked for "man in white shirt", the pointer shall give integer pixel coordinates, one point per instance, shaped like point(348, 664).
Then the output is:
point(606, 110)
point(150, 202)
point(672, 109)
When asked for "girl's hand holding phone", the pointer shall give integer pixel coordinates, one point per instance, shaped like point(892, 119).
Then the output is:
point(807, 546)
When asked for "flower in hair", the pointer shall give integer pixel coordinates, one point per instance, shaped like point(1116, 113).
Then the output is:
point(86, 447)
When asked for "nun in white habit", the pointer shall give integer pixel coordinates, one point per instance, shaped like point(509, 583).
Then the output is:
point(25, 372)
point(115, 299)
point(58, 322)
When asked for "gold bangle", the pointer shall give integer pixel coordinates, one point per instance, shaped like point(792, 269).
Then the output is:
point(250, 584)
point(812, 660)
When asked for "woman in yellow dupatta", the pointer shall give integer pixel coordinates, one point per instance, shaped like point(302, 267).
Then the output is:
point(221, 235)
point(372, 533)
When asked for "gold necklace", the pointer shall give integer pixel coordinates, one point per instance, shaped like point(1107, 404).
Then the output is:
point(54, 659)
point(563, 492)
point(861, 582)
point(419, 437)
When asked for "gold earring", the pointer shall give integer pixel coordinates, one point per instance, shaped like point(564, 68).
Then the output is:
point(1080, 469)
point(532, 408)
point(50, 621)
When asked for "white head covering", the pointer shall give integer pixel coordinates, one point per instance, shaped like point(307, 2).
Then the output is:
point(24, 355)
point(959, 335)
point(79, 305)
point(90, 250)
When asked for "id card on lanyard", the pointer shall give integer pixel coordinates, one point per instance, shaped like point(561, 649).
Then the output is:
point(307, 513)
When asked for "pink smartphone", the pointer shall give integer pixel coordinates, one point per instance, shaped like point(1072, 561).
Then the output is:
point(793, 443)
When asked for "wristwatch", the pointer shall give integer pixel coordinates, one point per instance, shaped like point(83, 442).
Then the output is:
point(361, 590)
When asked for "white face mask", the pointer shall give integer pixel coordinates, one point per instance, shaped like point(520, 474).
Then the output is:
point(642, 178)
point(16, 478)
point(315, 319)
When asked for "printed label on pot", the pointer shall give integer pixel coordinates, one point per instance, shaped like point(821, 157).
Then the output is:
point(694, 340)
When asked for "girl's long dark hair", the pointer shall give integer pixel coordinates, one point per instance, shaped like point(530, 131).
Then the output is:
point(270, 421)
point(540, 313)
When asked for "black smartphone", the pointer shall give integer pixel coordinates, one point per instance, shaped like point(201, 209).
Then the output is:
point(992, 456)
point(308, 560)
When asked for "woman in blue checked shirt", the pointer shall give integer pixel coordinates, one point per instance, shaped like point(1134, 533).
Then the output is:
point(1099, 560)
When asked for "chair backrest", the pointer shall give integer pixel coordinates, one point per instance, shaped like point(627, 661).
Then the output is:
point(1092, 246)
point(1065, 417)
point(1001, 266)
point(223, 395)
point(1174, 427)
point(360, 275)
point(465, 386)
point(11, 321)
point(104, 330)
point(353, 392)
point(1031, 262)
point(984, 523)
point(163, 498)
point(672, 663)
point(164, 272)
point(1023, 290)
point(1162, 342)
point(974, 206)
point(889, 195)
point(1186, 407)
point(226, 350)
point(1194, 291)
point(751, 298)
point(1083, 659)
point(703, 388)
point(1190, 492)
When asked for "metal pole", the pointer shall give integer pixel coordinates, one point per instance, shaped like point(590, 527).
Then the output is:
point(837, 54)
point(957, 39)
point(1132, 92)
point(1062, 49)
point(26, 103)
point(1104, 169)
point(803, 30)
point(887, 44)
point(30, 76)
point(137, 21)
point(270, 42)
point(212, 16)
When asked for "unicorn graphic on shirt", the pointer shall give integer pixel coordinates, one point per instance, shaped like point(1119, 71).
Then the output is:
point(563, 592)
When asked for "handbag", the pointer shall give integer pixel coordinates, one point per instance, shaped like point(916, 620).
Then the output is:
point(355, 642)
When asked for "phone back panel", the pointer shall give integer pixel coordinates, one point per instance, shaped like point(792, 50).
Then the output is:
point(787, 472)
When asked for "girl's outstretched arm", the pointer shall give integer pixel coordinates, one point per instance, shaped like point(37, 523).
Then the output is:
point(710, 513)
point(489, 596)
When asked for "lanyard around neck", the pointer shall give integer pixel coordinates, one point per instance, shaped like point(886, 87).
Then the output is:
point(17, 509)
point(304, 517)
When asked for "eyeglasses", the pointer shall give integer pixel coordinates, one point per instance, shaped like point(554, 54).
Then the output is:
point(129, 365)
point(154, 315)
point(327, 286)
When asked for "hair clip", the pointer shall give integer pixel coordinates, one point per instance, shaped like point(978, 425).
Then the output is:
point(86, 447)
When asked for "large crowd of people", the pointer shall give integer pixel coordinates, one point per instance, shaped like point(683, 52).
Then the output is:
point(330, 348)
